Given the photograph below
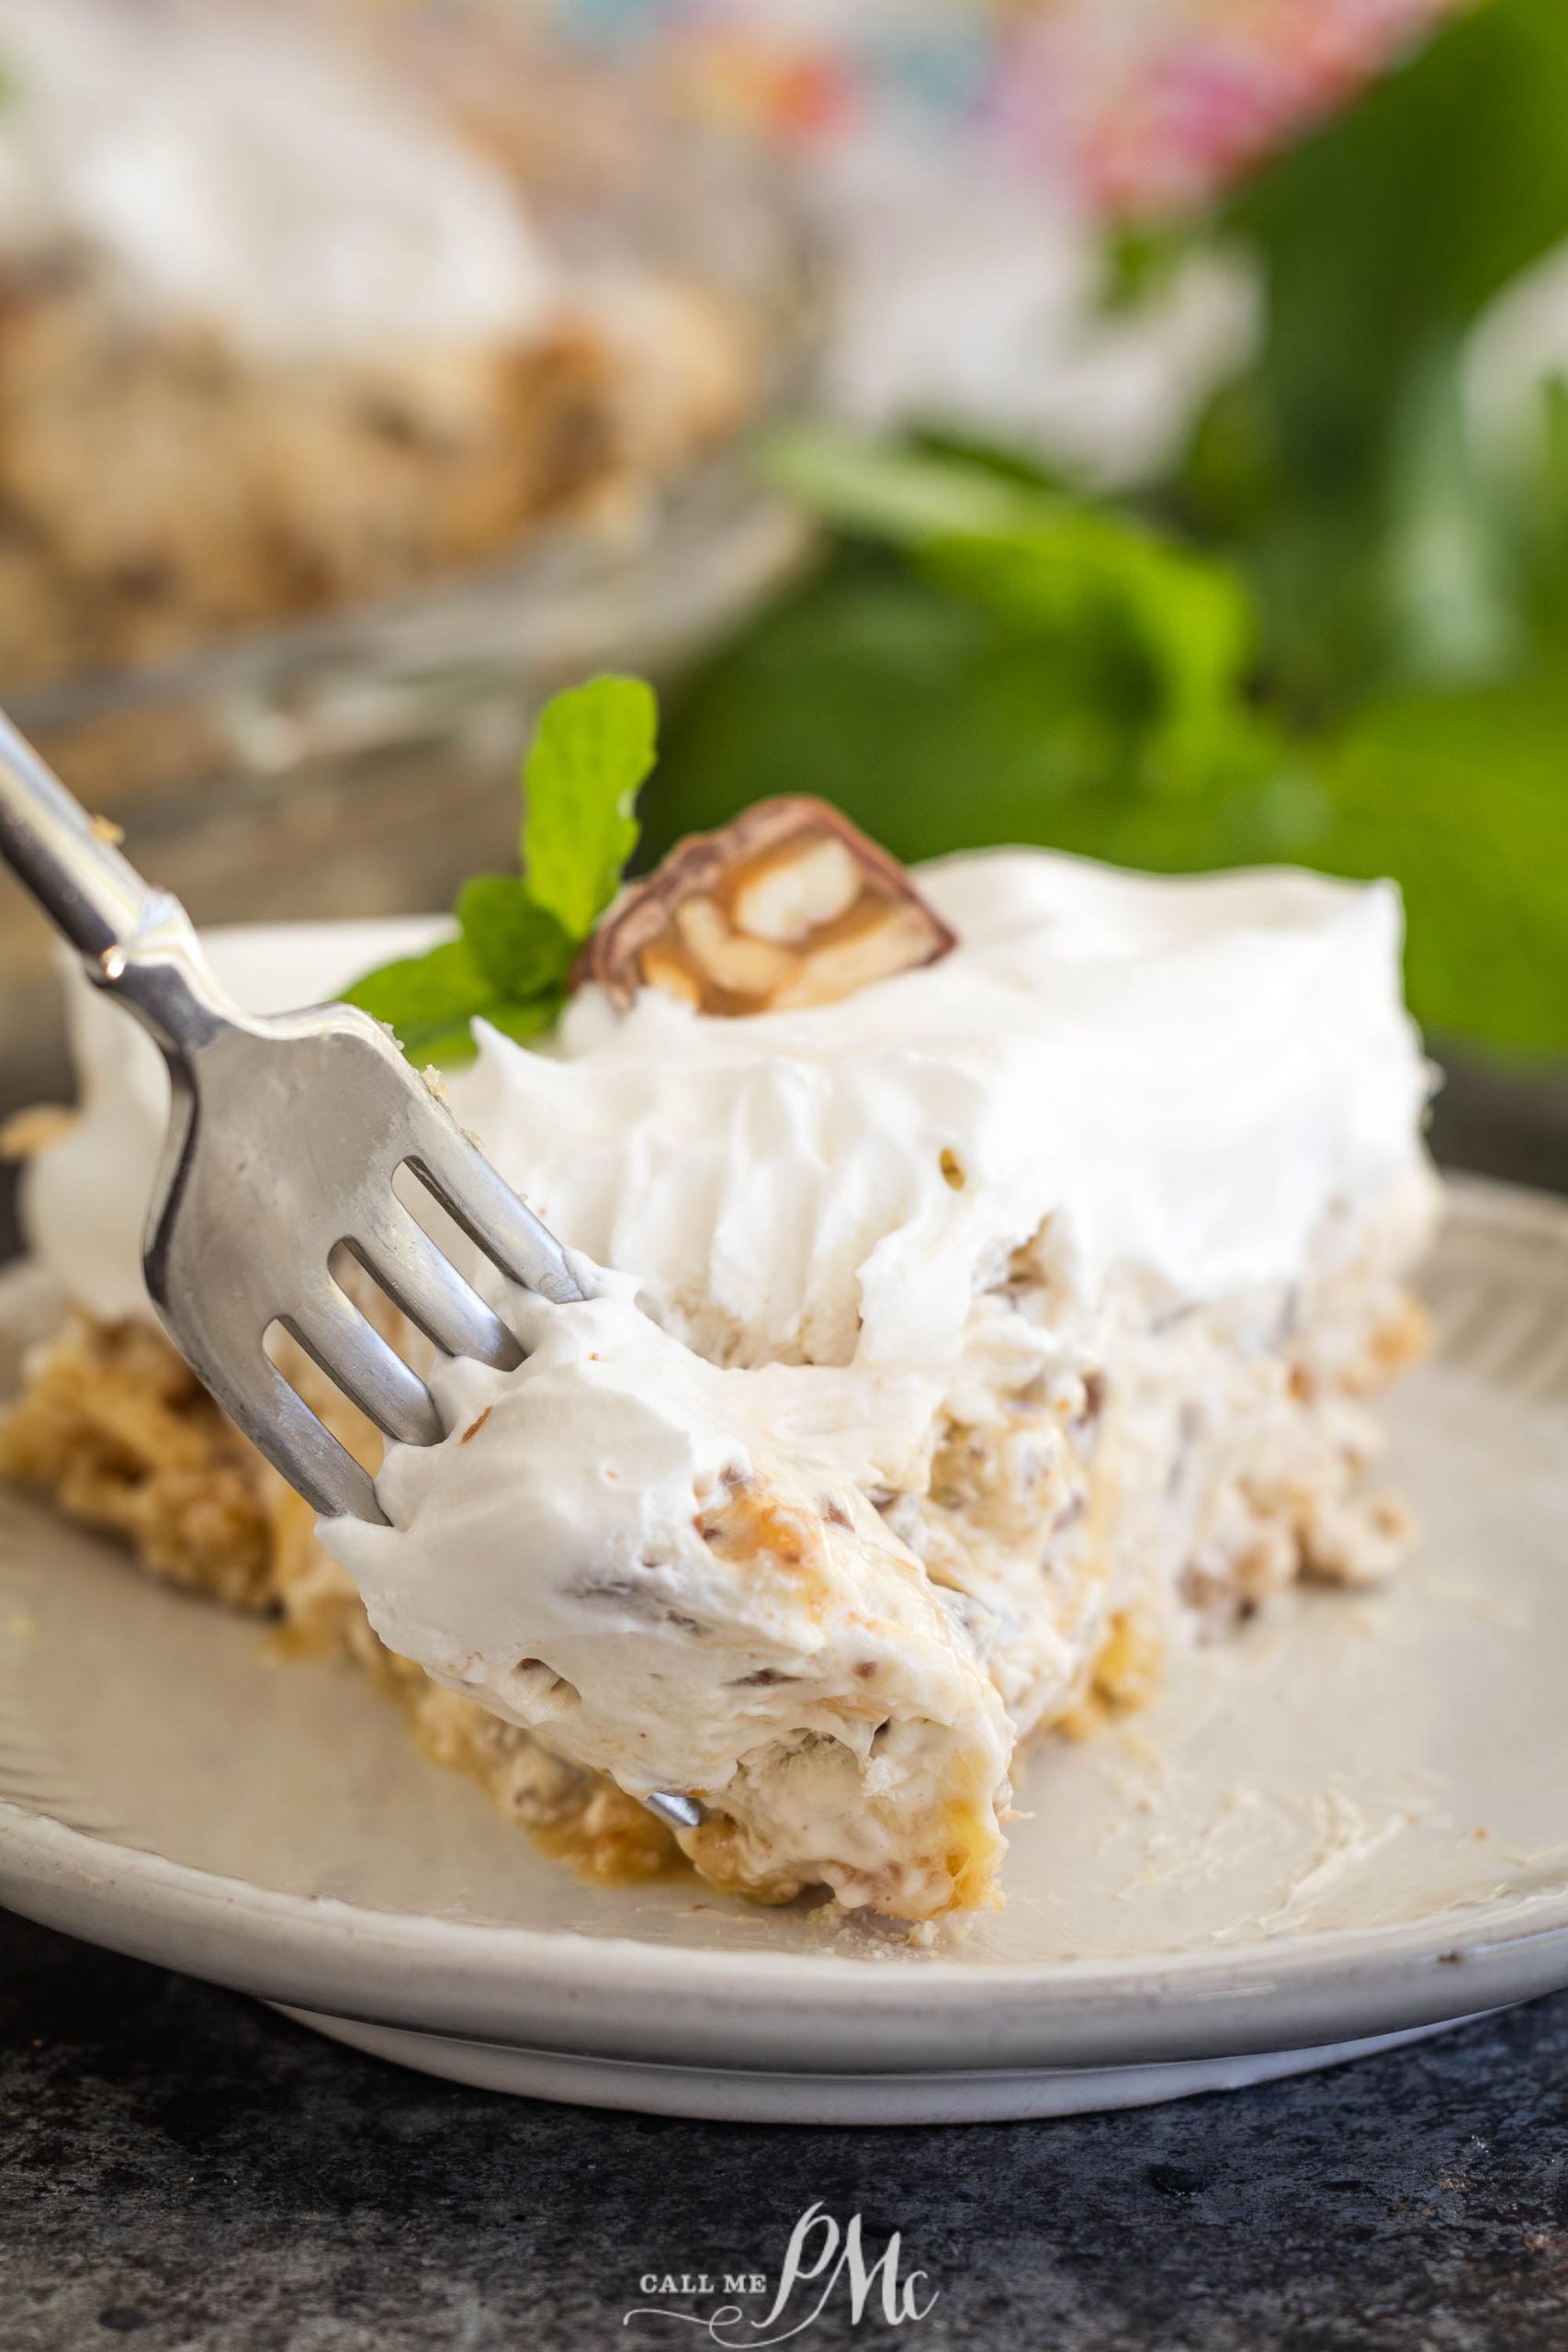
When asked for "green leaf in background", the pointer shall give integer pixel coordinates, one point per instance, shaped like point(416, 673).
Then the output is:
point(1389, 229)
point(1462, 797)
point(518, 935)
point(1054, 674)
point(982, 658)
point(1158, 633)
point(937, 728)
point(901, 492)
point(1541, 502)
point(1175, 627)
point(1449, 563)
point(595, 748)
point(1379, 240)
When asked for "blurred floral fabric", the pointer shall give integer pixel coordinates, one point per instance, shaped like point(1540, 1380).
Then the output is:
point(1151, 104)
point(1137, 106)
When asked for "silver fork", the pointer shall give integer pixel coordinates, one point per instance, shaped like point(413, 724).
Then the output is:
point(286, 1134)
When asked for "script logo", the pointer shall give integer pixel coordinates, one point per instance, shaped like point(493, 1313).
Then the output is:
point(820, 2255)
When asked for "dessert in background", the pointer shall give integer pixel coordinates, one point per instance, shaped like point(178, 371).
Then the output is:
point(991, 1269)
point(278, 334)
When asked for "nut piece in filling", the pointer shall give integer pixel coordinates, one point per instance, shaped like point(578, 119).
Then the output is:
point(790, 905)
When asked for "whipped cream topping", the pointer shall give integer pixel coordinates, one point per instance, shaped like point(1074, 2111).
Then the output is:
point(1184, 1075)
point(235, 170)
point(721, 1609)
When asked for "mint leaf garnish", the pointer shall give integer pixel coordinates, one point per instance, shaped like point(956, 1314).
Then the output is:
point(519, 936)
point(429, 1000)
point(519, 948)
point(523, 1021)
point(593, 749)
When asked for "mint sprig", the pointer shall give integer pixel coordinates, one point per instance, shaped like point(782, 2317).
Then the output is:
point(518, 935)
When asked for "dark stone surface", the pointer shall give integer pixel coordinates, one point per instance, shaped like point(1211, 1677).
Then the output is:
point(179, 2165)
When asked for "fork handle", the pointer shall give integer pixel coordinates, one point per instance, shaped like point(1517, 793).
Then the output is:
point(136, 942)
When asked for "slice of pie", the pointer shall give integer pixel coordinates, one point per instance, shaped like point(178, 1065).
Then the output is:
point(991, 1269)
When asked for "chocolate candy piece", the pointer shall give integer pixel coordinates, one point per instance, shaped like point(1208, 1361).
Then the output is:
point(788, 905)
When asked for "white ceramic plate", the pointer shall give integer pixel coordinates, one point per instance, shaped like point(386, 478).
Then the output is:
point(1348, 1823)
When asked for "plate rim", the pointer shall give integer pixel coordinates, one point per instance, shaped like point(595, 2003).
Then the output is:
point(619, 1996)
point(563, 1991)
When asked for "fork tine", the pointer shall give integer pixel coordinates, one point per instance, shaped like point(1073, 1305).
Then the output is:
point(351, 1351)
point(301, 1449)
point(483, 1203)
point(409, 1268)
